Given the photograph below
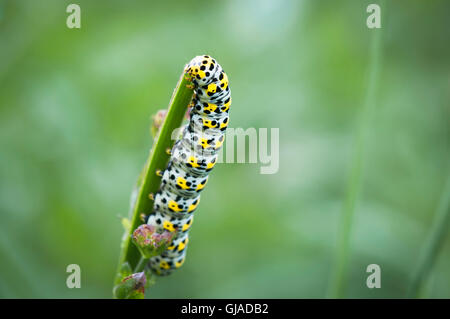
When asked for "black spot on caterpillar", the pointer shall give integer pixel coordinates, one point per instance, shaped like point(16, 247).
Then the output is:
point(193, 156)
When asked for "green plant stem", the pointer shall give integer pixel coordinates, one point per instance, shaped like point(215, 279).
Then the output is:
point(436, 237)
point(158, 158)
point(141, 264)
point(338, 280)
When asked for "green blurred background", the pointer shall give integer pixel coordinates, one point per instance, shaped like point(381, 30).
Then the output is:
point(75, 109)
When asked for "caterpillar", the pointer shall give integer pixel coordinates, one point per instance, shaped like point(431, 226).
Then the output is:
point(193, 156)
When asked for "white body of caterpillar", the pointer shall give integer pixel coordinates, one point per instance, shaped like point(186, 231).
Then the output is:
point(193, 156)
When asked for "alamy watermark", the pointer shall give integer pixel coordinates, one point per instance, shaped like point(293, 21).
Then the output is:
point(74, 19)
point(259, 150)
point(246, 146)
point(374, 279)
point(374, 19)
point(74, 279)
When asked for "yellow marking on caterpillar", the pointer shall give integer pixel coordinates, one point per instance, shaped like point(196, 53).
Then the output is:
point(182, 183)
point(193, 206)
point(201, 186)
point(219, 143)
point(182, 245)
point(171, 247)
point(193, 161)
point(204, 143)
point(178, 264)
point(210, 165)
point(208, 123)
point(173, 206)
point(211, 107)
point(187, 225)
point(223, 125)
point(169, 226)
point(164, 265)
point(193, 70)
point(212, 88)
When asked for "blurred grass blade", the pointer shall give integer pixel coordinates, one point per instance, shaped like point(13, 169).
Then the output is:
point(437, 235)
point(338, 280)
point(149, 182)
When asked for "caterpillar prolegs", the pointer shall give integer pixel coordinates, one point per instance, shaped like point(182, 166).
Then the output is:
point(193, 156)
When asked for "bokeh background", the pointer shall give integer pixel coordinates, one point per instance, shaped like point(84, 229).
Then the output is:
point(75, 109)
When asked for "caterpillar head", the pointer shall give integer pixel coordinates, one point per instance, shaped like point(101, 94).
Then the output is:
point(195, 72)
point(202, 68)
